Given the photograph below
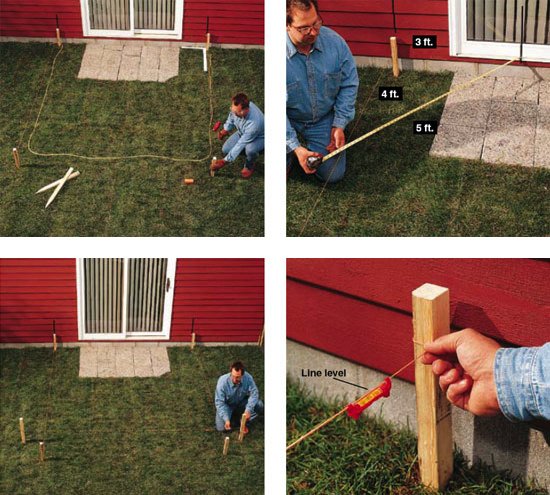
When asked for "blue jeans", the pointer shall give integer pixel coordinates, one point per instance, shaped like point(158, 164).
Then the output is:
point(251, 150)
point(317, 137)
point(237, 412)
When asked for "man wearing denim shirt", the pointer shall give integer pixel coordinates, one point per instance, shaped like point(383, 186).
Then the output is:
point(322, 85)
point(481, 377)
point(236, 393)
point(248, 119)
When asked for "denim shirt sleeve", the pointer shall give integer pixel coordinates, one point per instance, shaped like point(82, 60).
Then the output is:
point(254, 394)
point(344, 108)
point(229, 123)
point(522, 378)
point(220, 399)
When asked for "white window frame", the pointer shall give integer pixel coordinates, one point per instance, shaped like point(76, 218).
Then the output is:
point(125, 335)
point(132, 32)
point(460, 46)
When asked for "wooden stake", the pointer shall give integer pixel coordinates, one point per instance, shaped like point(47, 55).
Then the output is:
point(394, 56)
point(192, 340)
point(57, 32)
point(55, 183)
point(225, 445)
point(261, 337)
point(54, 342)
point(59, 186)
point(431, 319)
point(207, 41)
point(42, 451)
point(212, 173)
point(243, 426)
point(22, 431)
point(16, 158)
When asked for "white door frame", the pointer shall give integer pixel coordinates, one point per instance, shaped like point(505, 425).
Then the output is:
point(459, 45)
point(125, 335)
point(132, 32)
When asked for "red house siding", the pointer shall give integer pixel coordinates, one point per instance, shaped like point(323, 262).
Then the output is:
point(361, 309)
point(368, 24)
point(34, 292)
point(239, 21)
point(225, 296)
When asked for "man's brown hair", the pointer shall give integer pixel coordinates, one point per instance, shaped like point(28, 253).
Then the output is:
point(240, 99)
point(300, 5)
point(237, 366)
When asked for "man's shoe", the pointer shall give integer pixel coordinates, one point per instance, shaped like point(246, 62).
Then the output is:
point(247, 172)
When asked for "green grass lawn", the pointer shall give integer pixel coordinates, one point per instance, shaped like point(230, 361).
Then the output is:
point(370, 456)
point(124, 436)
point(393, 187)
point(134, 197)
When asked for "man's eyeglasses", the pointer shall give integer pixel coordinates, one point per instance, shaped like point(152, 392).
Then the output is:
point(305, 30)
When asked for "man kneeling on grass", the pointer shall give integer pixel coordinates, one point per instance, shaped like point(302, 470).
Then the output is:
point(248, 119)
point(236, 393)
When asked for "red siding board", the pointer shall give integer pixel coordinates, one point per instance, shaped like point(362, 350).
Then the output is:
point(238, 22)
point(362, 333)
point(367, 26)
point(225, 296)
point(508, 299)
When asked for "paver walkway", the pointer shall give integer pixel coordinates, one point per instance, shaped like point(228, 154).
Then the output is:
point(113, 60)
point(497, 120)
point(117, 360)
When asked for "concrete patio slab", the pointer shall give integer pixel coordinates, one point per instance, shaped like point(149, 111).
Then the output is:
point(142, 362)
point(509, 116)
point(458, 141)
point(479, 91)
point(106, 366)
point(542, 139)
point(169, 63)
point(544, 94)
point(110, 63)
point(129, 68)
point(123, 60)
point(505, 146)
point(160, 361)
point(123, 360)
point(514, 89)
point(466, 114)
point(132, 50)
point(88, 362)
point(498, 120)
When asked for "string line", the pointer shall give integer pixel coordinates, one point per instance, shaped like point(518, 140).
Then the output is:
point(107, 158)
point(390, 123)
point(343, 410)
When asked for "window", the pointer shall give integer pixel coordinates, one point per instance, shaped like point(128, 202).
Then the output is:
point(494, 29)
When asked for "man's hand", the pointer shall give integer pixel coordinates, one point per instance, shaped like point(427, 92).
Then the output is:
point(217, 165)
point(303, 154)
point(337, 139)
point(222, 134)
point(464, 362)
point(228, 425)
point(247, 414)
